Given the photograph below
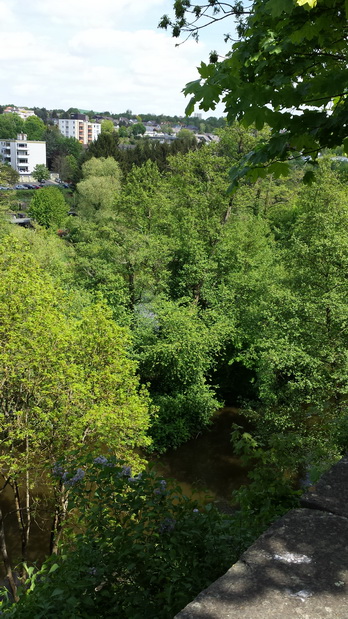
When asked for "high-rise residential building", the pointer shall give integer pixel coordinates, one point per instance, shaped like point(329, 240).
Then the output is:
point(80, 128)
point(22, 154)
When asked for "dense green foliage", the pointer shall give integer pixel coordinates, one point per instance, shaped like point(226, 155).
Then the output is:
point(208, 297)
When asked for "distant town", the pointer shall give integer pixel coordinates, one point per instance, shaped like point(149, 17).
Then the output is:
point(28, 136)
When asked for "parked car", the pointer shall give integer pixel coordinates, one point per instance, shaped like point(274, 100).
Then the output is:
point(20, 187)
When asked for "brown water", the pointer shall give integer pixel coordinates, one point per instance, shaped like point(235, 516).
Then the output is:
point(207, 464)
point(38, 547)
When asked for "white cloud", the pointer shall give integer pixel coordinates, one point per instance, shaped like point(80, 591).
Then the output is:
point(7, 14)
point(101, 66)
point(85, 13)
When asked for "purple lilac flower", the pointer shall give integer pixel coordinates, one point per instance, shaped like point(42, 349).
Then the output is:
point(125, 472)
point(76, 478)
point(167, 526)
point(162, 489)
point(136, 478)
point(58, 470)
point(101, 460)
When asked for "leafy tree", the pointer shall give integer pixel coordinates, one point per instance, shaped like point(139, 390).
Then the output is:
point(106, 145)
point(187, 137)
point(138, 129)
point(121, 246)
point(10, 126)
point(175, 350)
point(140, 228)
point(42, 113)
point(71, 110)
point(58, 145)
point(8, 176)
point(66, 166)
point(299, 341)
point(48, 207)
point(268, 77)
point(54, 140)
point(200, 211)
point(71, 146)
point(34, 127)
point(100, 184)
point(55, 258)
point(123, 132)
point(67, 382)
point(166, 128)
point(40, 172)
point(107, 126)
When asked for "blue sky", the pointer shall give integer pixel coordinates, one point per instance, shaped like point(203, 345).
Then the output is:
point(98, 54)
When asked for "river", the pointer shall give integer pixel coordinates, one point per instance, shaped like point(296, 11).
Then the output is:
point(206, 464)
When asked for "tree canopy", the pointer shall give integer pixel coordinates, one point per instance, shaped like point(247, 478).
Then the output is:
point(40, 172)
point(48, 207)
point(287, 69)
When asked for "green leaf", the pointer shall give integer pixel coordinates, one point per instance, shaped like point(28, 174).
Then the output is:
point(345, 145)
point(279, 168)
point(277, 7)
point(308, 177)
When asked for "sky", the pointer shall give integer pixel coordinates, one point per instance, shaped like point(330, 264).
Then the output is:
point(105, 55)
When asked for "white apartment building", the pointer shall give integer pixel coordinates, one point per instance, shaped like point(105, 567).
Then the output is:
point(84, 131)
point(22, 154)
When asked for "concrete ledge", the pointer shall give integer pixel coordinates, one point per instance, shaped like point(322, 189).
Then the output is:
point(297, 568)
point(331, 492)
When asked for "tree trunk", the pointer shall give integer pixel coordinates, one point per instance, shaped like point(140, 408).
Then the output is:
point(6, 560)
point(58, 520)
